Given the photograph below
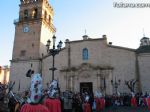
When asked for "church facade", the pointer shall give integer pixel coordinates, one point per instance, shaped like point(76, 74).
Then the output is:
point(82, 65)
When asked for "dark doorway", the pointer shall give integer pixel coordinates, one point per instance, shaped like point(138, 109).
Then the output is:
point(86, 87)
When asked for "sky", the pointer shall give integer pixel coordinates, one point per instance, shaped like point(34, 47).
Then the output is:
point(123, 26)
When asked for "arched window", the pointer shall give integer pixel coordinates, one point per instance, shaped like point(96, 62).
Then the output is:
point(85, 54)
point(25, 14)
point(34, 13)
point(49, 19)
point(45, 16)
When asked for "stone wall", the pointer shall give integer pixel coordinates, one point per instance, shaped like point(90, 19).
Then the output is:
point(18, 73)
point(144, 71)
point(120, 62)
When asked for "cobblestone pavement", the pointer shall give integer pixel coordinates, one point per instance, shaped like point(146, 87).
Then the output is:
point(127, 109)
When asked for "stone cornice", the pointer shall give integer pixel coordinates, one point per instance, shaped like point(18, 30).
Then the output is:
point(24, 60)
point(32, 2)
point(89, 39)
point(86, 65)
point(144, 54)
point(119, 47)
point(101, 39)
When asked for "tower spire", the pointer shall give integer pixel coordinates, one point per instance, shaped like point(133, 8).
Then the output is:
point(85, 37)
point(85, 31)
point(143, 33)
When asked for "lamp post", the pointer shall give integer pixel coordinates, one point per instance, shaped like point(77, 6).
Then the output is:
point(115, 84)
point(53, 52)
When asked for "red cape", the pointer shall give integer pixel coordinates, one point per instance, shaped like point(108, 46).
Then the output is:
point(33, 108)
point(53, 105)
point(86, 107)
point(133, 102)
point(100, 103)
point(148, 103)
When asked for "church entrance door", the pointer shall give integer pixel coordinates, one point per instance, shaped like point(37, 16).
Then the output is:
point(86, 87)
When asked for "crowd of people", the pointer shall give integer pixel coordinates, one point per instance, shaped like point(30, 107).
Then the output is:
point(52, 100)
point(98, 102)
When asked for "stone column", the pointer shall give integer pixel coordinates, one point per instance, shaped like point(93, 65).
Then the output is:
point(137, 73)
point(71, 83)
point(98, 80)
point(110, 77)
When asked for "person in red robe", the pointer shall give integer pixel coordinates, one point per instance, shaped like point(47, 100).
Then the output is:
point(133, 101)
point(144, 100)
point(148, 102)
point(86, 104)
point(100, 101)
point(53, 102)
point(35, 101)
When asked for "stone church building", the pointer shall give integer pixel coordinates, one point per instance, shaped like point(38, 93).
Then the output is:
point(82, 65)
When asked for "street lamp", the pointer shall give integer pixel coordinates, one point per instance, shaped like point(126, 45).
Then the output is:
point(53, 52)
point(115, 84)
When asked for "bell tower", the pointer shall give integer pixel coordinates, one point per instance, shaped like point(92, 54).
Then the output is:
point(32, 30)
